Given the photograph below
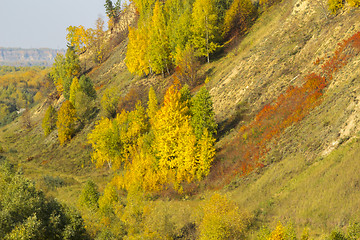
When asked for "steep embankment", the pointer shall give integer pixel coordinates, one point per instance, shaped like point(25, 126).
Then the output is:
point(311, 172)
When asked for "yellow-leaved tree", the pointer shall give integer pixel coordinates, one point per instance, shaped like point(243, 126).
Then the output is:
point(175, 141)
point(112, 139)
point(106, 143)
point(354, 3)
point(237, 16)
point(223, 219)
point(74, 89)
point(205, 27)
point(79, 37)
point(66, 122)
point(137, 56)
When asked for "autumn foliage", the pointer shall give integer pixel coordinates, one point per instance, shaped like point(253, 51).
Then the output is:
point(66, 122)
point(255, 139)
point(157, 147)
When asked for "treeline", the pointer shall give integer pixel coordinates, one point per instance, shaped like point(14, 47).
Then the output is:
point(20, 87)
point(167, 29)
point(11, 69)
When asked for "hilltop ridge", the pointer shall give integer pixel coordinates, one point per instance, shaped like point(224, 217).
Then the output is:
point(28, 57)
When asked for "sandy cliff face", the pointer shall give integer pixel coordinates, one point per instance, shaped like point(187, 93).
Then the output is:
point(25, 57)
point(279, 51)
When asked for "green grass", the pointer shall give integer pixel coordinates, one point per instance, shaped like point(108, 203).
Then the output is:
point(298, 184)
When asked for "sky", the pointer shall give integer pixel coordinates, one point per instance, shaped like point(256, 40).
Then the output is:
point(43, 23)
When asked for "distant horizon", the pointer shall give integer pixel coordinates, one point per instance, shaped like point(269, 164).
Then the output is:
point(42, 24)
point(21, 48)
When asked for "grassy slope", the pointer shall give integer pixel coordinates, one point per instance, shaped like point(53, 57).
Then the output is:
point(303, 183)
point(298, 184)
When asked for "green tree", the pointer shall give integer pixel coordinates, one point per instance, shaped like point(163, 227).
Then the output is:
point(89, 195)
point(185, 95)
point(72, 69)
point(204, 27)
point(203, 116)
point(58, 72)
point(159, 47)
point(87, 86)
point(49, 120)
point(82, 95)
point(84, 106)
point(64, 70)
point(26, 213)
point(178, 15)
point(66, 122)
point(112, 10)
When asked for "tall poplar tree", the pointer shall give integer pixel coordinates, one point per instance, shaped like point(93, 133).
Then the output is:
point(204, 27)
point(137, 56)
point(159, 46)
point(66, 122)
point(74, 89)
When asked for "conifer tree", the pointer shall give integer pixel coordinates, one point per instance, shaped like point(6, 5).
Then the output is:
point(87, 87)
point(110, 9)
point(203, 113)
point(185, 95)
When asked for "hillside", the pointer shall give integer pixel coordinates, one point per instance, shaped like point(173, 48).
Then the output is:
point(286, 100)
point(28, 57)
